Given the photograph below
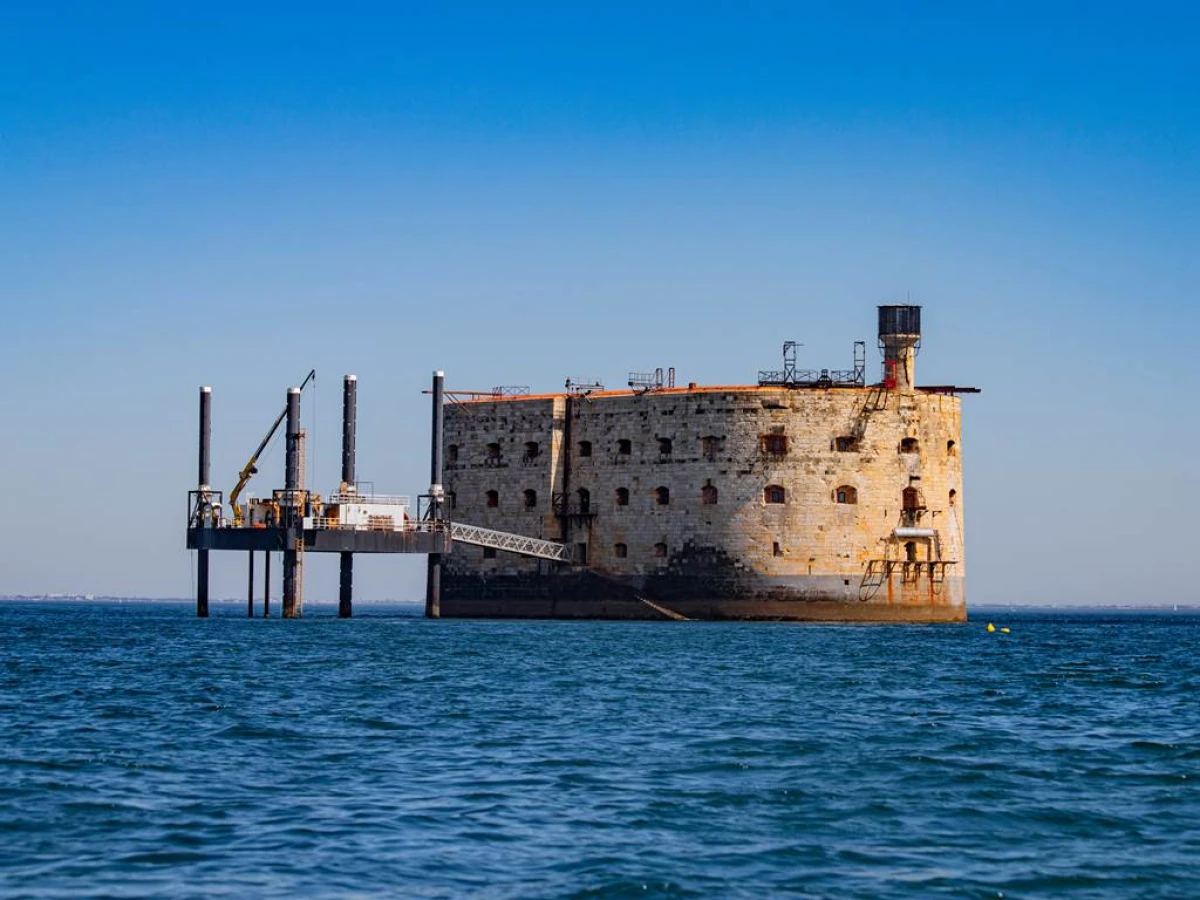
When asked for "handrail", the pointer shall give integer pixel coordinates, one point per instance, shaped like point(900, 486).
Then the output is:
point(379, 499)
point(513, 543)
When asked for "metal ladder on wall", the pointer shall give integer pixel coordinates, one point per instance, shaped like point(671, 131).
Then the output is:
point(876, 400)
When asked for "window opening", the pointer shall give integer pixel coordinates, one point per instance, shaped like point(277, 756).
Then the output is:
point(662, 496)
point(493, 498)
point(846, 494)
point(774, 493)
point(710, 446)
point(774, 444)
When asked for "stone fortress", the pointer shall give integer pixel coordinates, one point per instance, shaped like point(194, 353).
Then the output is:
point(808, 496)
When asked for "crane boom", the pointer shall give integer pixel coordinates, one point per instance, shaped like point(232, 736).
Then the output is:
point(251, 467)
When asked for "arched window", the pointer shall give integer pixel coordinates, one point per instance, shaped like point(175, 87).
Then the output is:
point(452, 453)
point(531, 449)
point(620, 551)
point(910, 445)
point(711, 445)
point(622, 496)
point(660, 549)
point(912, 498)
point(774, 493)
point(585, 448)
point(951, 448)
point(530, 498)
point(624, 446)
point(846, 494)
point(664, 446)
point(585, 499)
point(493, 498)
point(953, 496)
point(708, 495)
point(662, 496)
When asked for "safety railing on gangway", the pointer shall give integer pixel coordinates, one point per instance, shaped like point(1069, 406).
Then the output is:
point(513, 543)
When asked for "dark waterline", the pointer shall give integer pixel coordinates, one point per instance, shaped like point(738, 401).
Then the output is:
point(148, 753)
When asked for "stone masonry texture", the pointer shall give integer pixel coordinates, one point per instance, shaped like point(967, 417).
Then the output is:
point(713, 502)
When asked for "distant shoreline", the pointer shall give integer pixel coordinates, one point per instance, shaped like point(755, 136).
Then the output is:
point(417, 604)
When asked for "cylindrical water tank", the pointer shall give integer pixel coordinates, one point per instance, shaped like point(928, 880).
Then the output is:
point(899, 320)
point(915, 533)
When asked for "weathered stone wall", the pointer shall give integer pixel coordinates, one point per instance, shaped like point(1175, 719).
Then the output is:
point(718, 456)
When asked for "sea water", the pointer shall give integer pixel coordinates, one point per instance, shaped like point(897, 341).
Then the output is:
point(145, 752)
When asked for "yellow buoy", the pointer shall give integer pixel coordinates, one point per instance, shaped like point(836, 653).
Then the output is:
point(991, 627)
point(1005, 631)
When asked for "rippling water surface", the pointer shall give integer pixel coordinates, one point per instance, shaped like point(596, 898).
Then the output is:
point(145, 752)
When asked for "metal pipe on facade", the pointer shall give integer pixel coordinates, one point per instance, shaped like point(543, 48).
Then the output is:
point(349, 425)
point(433, 576)
point(564, 513)
point(203, 480)
point(291, 511)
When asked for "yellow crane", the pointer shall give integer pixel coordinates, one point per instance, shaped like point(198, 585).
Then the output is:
point(251, 468)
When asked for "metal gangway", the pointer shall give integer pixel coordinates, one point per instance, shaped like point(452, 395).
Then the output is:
point(513, 543)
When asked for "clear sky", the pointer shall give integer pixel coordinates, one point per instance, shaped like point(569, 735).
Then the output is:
point(231, 194)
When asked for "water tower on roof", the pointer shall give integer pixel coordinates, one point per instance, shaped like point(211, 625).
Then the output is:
point(899, 339)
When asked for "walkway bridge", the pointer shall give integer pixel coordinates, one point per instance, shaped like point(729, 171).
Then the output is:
point(513, 543)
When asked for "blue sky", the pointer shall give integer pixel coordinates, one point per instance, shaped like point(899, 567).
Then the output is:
point(519, 193)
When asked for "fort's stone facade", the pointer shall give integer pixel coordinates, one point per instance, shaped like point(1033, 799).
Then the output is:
point(831, 503)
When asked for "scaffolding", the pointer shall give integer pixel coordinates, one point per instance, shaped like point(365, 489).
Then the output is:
point(792, 377)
